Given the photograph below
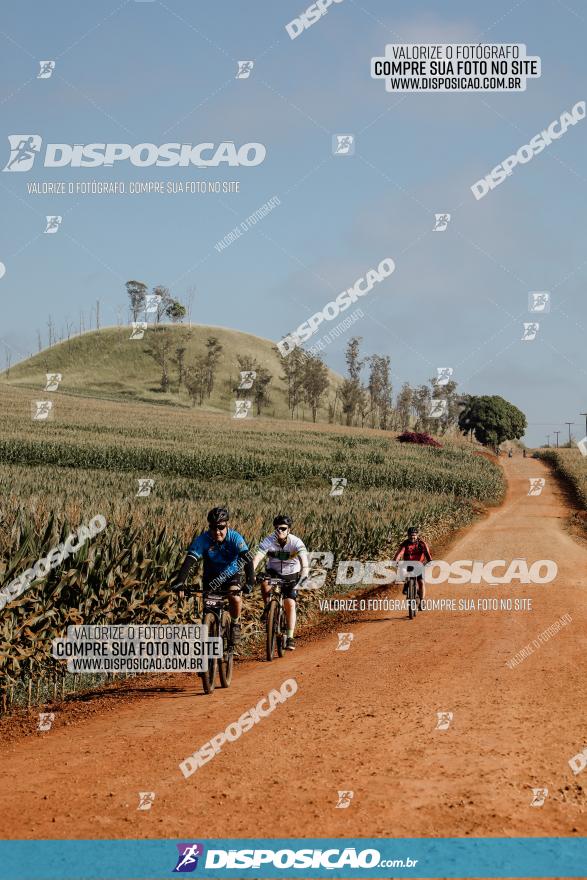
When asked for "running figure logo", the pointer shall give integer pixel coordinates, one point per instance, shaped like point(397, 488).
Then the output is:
point(145, 486)
point(344, 641)
point(152, 302)
point(582, 445)
point(247, 379)
point(23, 150)
point(530, 331)
point(244, 69)
point(242, 408)
point(338, 484)
point(146, 799)
point(53, 224)
point(344, 799)
point(343, 144)
point(437, 408)
point(536, 485)
point(138, 329)
point(539, 301)
point(443, 720)
point(187, 861)
point(441, 222)
point(42, 410)
point(443, 375)
point(53, 380)
point(539, 795)
point(47, 68)
point(46, 719)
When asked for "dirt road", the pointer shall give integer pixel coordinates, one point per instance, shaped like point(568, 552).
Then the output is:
point(363, 720)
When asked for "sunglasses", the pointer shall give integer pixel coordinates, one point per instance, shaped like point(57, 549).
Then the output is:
point(221, 527)
point(282, 528)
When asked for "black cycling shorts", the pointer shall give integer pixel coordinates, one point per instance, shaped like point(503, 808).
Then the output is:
point(217, 585)
point(289, 583)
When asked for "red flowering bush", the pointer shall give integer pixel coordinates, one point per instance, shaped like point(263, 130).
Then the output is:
point(418, 437)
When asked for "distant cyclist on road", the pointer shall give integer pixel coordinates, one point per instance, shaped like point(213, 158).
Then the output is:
point(225, 553)
point(288, 561)
point(414, 549)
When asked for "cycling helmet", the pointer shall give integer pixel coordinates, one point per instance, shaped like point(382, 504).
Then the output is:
point(413, 530)
point(218, 515)
point(282, 520)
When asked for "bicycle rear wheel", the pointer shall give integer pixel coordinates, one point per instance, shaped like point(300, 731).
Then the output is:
point(225, 664)
point(209, 676)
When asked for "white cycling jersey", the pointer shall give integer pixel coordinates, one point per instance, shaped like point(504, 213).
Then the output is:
point(286, 559)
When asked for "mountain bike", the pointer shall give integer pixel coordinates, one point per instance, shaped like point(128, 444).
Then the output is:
point(216, 617)
point(411, 591)
point(275, 623)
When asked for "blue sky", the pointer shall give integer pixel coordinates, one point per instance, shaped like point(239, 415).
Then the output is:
point(160, 72)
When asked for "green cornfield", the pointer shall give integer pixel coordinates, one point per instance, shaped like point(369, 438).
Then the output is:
point(89, 458)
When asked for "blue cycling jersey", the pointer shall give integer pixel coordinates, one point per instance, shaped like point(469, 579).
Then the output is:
point(219, 557)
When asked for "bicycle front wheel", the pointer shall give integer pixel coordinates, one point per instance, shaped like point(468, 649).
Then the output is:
point(226, 663)
point(270, 629)
point(412, 600)
point(280, 631)
point(209, 676)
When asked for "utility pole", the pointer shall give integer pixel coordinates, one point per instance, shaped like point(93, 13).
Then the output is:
point(585, 414)
point(97, 314)
point(569, 424)
point(557, 433)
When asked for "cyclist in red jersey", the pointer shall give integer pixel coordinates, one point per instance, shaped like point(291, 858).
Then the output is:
point(414, 549)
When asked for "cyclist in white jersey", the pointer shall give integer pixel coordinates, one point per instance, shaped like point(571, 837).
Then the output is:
point(287, 559)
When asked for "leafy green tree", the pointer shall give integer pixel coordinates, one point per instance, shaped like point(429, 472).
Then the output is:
point(175, 311)
point(315, 381)
point(492, 420)
point(351, 391)
point(213, 355)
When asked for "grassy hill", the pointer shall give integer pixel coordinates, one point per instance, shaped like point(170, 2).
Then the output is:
point(107, 363)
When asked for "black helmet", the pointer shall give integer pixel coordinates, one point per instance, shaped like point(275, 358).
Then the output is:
point(218, 515)
point(282, 519)
point(413, 530)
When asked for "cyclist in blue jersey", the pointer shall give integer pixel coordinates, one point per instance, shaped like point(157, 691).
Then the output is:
point(224, 553)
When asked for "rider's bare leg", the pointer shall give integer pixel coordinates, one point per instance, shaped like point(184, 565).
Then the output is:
point(290, 615)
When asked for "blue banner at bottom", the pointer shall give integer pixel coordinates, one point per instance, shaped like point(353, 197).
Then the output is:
point(529, 857)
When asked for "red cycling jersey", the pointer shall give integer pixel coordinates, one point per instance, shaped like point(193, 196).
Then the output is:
point(413, 551)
